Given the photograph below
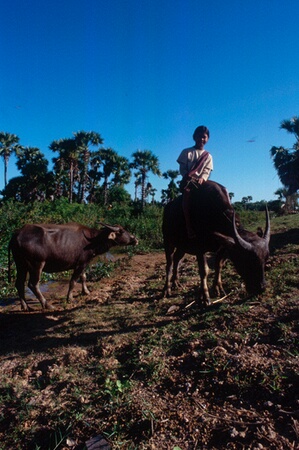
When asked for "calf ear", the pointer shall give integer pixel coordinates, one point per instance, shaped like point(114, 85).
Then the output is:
point(109, 226)
point(112, 236)
point(227, 241)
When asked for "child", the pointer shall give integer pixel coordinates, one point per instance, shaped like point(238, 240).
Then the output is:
point(196, 165)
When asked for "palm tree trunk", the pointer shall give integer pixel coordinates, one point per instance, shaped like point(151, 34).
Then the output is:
point(105, 185)
point(71, 182)
point(5, 170)
point(143, 178)
point(86, 157)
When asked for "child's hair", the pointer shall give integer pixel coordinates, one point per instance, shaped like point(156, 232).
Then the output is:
point(200, 130)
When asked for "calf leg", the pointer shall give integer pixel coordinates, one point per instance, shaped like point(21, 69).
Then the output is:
point(204, 271)
point(33, 284)
point(85, 289)
point(20, 285)
point(78, 273)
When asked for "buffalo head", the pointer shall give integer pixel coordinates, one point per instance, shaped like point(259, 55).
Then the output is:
point(249, 252)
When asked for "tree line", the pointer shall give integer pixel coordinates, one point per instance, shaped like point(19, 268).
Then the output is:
point(83, 171)
point(86, 172)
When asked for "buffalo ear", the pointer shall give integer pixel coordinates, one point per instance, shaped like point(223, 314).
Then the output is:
point(260, 232)
point(112, 236)
point(227, 241)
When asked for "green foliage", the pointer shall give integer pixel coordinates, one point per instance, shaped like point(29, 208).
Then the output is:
point(118, 194)
point(99, 270)
point(172, 190)
point(286, 222)
point(145, 225)
point(286, 161)
point(252, 219)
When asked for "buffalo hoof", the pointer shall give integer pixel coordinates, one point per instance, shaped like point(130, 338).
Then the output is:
point(26, 308)
point(206, 302)
point(166, 293)
point(47, 306)
point(218, 291)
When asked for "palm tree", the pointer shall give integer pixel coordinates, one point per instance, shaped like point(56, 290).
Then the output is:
point(8, 145)
point(152, 193)
point(286, 160)
point(137, 184)
point(74, 156)
point(112, 164)
point(103, 164)
point(31, 162)
point(83, 140)
point(35, 181)
point(246, 200)
point(289, 202)
point(94, 174)
point(34, 168)
point(145, 161)
point(68, 156)
point(122, 175)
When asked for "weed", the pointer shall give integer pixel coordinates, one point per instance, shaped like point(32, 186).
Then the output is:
point(273, 378)
point(100, 270)
point(116, 387)
point(58, 437)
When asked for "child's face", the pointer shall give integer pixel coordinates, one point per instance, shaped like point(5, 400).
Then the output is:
point(201, 140)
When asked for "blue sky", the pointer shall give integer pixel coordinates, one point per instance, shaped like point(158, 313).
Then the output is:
point(146, 73)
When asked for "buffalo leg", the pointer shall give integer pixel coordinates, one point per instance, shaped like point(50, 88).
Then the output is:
point(203, 272)
point(219, 263)
point(169, 251)
point(178, 255)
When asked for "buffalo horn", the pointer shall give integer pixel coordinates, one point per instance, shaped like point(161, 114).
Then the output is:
point(238, 239)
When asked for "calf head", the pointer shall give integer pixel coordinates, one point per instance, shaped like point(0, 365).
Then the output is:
point(119, 235)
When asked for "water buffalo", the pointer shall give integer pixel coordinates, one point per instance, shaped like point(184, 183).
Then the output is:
point(56, 248)
point(214, 222)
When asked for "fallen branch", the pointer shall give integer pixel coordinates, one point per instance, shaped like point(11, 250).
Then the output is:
point(215, 301)
point(189, 305)
point(222, 298)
